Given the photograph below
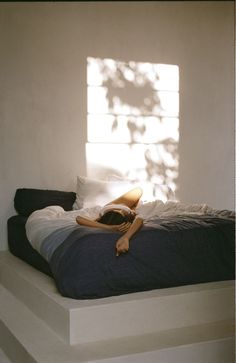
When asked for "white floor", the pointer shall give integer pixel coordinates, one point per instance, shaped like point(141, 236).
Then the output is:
point(190, 324)
point(3, 357)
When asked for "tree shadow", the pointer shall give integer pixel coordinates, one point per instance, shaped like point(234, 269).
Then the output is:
point(132, 91)
point(126, 85)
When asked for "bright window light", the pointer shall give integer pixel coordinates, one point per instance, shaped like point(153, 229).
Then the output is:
point(133, 120)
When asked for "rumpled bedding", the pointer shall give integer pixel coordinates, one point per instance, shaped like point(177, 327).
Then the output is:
point(179, 244)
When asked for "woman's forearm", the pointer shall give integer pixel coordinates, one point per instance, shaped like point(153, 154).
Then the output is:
point(135, 227)
point(90, 223)
point(122, 245)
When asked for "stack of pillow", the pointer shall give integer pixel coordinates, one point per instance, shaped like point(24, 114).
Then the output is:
point(91, 192)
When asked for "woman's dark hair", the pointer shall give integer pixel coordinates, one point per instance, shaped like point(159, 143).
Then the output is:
point(113, 217)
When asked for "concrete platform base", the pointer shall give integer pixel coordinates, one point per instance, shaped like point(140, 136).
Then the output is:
point(185, 324)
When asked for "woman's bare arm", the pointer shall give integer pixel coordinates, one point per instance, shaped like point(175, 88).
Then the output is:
point(90, 223)
point(130, 198)
point(95, 224)
point(129, 230)
point(122, 245)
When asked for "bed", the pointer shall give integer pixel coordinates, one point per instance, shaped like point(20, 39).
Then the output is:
point(170, 250)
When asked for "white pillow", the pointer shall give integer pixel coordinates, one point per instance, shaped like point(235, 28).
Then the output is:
point(92, 192)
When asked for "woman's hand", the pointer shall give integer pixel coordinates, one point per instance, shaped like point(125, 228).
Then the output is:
point(123, 227)
point(122, 245)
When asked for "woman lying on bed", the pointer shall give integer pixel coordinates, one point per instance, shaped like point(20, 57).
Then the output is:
point(119, 215)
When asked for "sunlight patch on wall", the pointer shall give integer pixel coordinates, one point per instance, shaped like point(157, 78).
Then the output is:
point(133, 120)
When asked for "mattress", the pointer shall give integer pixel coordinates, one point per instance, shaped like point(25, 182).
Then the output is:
point(26, 201)
point(164, 253)
point(20, 247)
point(170, 250)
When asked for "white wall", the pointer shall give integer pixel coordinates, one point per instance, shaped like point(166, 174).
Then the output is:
point(43, 49)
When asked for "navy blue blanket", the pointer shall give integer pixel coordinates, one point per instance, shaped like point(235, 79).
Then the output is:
point(167, 252)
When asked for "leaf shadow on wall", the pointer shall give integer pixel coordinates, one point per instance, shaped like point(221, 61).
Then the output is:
point(132, 93)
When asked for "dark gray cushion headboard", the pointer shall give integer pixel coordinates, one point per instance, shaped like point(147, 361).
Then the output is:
point(28, 200)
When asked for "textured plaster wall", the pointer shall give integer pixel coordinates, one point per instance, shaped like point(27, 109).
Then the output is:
point(44, 47)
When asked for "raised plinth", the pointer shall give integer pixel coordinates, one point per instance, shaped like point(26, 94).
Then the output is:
point(26, 338)
point(86, 321)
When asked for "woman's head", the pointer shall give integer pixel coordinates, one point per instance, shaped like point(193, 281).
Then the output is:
point(116, 217)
